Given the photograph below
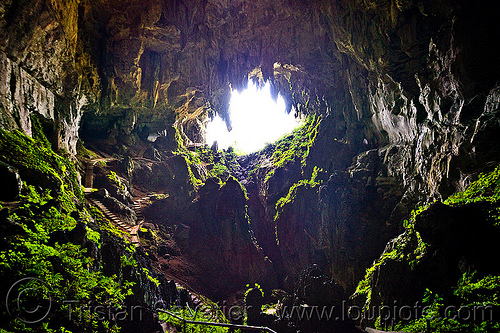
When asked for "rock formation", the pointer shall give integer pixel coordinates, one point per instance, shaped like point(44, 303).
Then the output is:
point(404, 94)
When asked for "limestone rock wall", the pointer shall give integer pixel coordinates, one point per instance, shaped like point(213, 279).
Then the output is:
point(43, 68)
point(411, 83)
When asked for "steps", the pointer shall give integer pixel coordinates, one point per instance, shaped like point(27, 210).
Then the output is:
point(136, 206)
point(131, 230)
point(199, 305)
point(110, 215)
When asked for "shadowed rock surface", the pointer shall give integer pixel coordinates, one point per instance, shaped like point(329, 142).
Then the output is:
point(405, 98)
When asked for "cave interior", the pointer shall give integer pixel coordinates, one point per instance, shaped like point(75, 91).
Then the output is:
point(378, 203)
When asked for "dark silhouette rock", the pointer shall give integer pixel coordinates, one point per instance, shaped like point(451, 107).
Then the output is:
point(318, 304)
point(152, 153)
point(254, 300)
point(167, 141)
point(11, 182)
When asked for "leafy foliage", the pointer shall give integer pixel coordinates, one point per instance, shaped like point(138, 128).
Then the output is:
point(219, 164)
point(67, 268)
point(477, 296)
point(34, 246)
point(255, 286)
point(215, 315)
point(113, 177)
point(150, 278)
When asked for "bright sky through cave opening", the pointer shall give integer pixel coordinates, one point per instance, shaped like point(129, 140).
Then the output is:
point(256, 118)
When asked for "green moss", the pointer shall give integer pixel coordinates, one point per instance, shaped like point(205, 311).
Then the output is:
point(219, 164)
point(150, 278)
point(206, 155)
point(254, 171)
point(82, 151)
point(296, 145)
point(94, 236)
point(471, 290)
point(113, 177)
point(478, 295)
point(194, 181)
point(408, 248)
point(218, 170)
point(106, 225)
point(364, 286)
point(250, 288)
point(292, 192)
point(479, 291)
point(178, 138)
point(37, 132)
point(485, 188)
point(66, 268)
point(243, 189)
point(28, 155)
point(128, 261)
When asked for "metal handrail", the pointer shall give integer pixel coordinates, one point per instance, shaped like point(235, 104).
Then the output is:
point(209, 323)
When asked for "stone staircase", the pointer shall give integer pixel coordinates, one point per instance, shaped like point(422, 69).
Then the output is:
point(198, 304)
point(129, 229)
point(136, 206)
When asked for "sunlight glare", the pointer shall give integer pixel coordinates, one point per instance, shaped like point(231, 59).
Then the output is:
point(256, 119)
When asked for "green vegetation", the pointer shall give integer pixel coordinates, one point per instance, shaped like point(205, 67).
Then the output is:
point(290, 148)
point(67, 269)
point(37, 132)
point(219, 164)
point(150, 278)
point(470, 290)
point(479, 295)
point(215, 315)
point(250, 288)
point(128, 260)
point(294, 146)
point(194, 181)
point(105, 225)
point(34, 242)
point(41, 164)
point(408, 248)
point(292, 192)
point(82, 151)
point(485, 188)
point(94, 236)
point(113, 177)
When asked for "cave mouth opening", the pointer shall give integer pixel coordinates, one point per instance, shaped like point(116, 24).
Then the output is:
point(256, 120)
